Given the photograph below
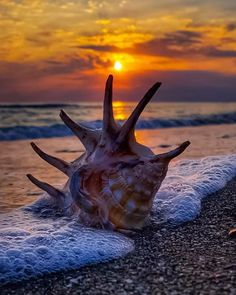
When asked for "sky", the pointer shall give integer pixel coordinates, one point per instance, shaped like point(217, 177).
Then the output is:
point(63, 51)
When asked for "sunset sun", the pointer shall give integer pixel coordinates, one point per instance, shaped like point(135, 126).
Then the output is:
point(118, 66)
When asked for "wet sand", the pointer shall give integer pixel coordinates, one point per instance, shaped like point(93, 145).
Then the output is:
point(195, 258)
point(17, 157)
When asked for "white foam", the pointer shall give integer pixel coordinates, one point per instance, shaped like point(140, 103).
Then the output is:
point(31, 246)
point(187, 183)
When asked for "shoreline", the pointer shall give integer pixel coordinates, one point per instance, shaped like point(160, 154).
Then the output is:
point(194, 258)
point(17, 157)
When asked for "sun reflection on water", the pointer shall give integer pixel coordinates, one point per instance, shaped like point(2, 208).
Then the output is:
point(121, 110)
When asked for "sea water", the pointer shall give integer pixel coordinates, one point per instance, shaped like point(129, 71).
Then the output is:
point(27, 121)
point(31, 245)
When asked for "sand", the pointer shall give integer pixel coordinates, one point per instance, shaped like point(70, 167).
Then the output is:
point(195, 258)
point(17, 157)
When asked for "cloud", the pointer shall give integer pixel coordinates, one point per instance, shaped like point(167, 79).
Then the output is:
point(181, 44)
point(42, 38)
point(49, 79)
point(171, 44)
point(230, 27)
point(183, 85)
point(103, 48)
point(157, 46)
point(182, 38)
point(216, 52)
point(49, 67)
point(53, 45)
point(74, 62)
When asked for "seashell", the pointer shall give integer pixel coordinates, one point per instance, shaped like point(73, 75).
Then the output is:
point(113, 184)
point(232, 232)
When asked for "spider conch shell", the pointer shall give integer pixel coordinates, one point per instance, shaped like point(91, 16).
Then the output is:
point(114, 182)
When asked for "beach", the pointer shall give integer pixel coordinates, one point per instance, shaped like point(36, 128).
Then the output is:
point(195, 258)
point(118, 147)
point(17, 157)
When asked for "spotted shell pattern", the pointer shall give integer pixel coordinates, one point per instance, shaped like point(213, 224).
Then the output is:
point(113, 184)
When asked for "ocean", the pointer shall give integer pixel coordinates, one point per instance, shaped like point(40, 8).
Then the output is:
point(28, 121)
point(35, 242)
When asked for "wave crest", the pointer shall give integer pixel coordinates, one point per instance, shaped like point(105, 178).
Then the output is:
point(60, 130)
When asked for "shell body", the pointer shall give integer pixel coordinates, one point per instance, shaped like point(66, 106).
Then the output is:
point(114, 182)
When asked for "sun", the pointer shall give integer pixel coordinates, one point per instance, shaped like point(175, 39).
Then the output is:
point(118, 66)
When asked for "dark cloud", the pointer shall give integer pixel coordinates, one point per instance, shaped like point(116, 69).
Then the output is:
point(33, 81)
point(42, 38)
point(73, 63)
point(216, 52)
point(182, 38)
point(230, 27)
point(38, 41)
point(183, 85)
point(45, 68)
point(181, 44)
point(28, 83)
point(103, 48)
point(159, 46)
point(174, 44)
point(155, 47)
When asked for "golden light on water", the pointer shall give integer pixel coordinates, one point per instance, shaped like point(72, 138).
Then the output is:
point(118, 66)
point(121, 110)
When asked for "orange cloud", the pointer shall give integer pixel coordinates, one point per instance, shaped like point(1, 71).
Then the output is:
point(50, 45)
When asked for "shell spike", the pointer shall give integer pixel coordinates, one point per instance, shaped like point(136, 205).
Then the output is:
point(174, 153)
point(58, 163)
point(109, 124)
point(87, 136)
point(129, 125)
point(52, 191)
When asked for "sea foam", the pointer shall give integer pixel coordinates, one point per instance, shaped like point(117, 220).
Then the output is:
point(31, 246)
point(187, 183)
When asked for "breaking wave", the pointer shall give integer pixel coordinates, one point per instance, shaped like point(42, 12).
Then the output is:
point(60, 130)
